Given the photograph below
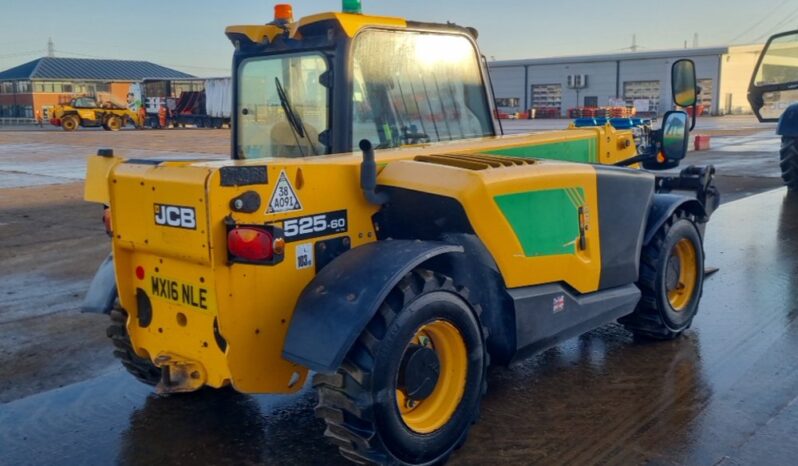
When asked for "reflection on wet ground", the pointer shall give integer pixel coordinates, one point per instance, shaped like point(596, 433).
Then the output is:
point(724, 393)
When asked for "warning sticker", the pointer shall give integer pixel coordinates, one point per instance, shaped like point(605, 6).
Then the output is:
point(304, 256)
point(284, 198)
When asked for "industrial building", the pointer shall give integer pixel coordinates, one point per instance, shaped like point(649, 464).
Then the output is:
point(40, 84)
point(639, 80)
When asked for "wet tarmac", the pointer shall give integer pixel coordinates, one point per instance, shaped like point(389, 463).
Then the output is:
point(724, 393)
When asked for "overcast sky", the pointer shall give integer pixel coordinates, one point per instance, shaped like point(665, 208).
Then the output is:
point(189, 34)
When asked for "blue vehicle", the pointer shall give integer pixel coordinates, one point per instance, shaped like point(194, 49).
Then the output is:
point(773, 95)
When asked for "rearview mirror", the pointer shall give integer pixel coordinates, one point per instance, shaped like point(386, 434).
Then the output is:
point(683, 83)
point(675, 136)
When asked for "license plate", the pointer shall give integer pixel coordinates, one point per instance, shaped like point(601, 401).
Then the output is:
point(185, 294)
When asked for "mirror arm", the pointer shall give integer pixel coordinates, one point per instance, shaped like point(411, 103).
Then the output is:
point(633, 160)
point(650, 153)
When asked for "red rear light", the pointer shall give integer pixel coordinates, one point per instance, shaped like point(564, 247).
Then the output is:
point(250, 243)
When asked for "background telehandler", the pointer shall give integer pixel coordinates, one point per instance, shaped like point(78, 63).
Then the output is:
point(397, 274)
point(773, 95)
point(88, 113)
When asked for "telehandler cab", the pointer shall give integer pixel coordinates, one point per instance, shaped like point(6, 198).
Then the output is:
point(773, 95)
point(396, 275)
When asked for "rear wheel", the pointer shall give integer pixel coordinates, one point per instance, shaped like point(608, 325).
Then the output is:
point(409, 390)
point(671, 280)
point(789, 162)
point(142, 369)
point(70, 123)
point(114, 123)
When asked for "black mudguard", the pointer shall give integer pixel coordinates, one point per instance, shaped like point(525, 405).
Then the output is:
point(339, 302)
point(664, 205)
point(788, 122)
point(102, 291)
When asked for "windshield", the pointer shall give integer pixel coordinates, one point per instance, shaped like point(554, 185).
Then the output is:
point(282, 106)
point(412, 88)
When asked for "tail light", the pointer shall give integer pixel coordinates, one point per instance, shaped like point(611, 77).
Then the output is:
point(254, 244)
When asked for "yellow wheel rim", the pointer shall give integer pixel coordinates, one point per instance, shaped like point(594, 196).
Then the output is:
point(432, 413)
point(683, 272)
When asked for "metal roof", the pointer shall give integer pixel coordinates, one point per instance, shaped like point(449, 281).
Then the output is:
point(674, 53)
point(90, 69)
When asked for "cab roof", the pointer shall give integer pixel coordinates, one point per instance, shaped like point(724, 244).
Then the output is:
point(349, 23)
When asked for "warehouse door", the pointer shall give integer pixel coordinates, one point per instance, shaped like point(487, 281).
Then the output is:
point(643, 96)
point(547, 100)
point(705, 98)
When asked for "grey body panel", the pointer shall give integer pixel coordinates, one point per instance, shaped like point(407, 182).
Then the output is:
point(624, 202)
point(339, 302)
point(102, 290)
point(540, 323)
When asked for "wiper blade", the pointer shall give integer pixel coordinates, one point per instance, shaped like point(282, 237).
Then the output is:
point(293, 119)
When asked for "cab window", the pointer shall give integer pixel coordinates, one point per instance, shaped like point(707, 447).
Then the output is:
point(413, 88)
point(282, 106)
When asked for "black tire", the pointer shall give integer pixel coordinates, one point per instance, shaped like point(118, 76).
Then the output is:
point(70, 123)
point(655, 315)
point(789, 162)
point(142, 369)
point(359, 402)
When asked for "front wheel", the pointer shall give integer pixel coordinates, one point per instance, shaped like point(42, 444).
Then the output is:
point(409, 390)
point(789, 162)
point(671, 280)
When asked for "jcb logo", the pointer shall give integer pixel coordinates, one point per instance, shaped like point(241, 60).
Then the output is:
point(175, 216)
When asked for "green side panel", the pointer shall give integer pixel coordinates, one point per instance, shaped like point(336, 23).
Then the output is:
point(581, 150)
point(545, 222)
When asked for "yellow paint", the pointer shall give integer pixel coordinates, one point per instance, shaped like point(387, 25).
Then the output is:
point(681, 295)
point(253, 304)
point(475, 190)
point(95, 188)
point(430, 414)
point(352, 23)
point(256, 33)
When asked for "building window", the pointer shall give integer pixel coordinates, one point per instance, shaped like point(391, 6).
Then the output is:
point(642, 95)
point(513, 102)
point(7, 87)
point(23, 87)
point(591, 101)
point(547, 96)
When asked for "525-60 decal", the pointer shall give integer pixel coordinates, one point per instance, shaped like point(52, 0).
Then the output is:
point(311, 226)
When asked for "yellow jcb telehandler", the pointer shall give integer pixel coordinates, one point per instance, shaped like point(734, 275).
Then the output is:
point(373, 226)
point(88, 113)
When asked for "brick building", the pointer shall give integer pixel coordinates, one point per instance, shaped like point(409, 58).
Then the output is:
point(48, 81)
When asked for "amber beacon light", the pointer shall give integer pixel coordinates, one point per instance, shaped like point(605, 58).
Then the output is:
point(284, 12)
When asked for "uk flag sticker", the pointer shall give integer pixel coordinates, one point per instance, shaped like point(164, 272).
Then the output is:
point(558, 304)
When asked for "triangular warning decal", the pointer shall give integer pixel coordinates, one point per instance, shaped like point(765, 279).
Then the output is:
point(284, 199)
